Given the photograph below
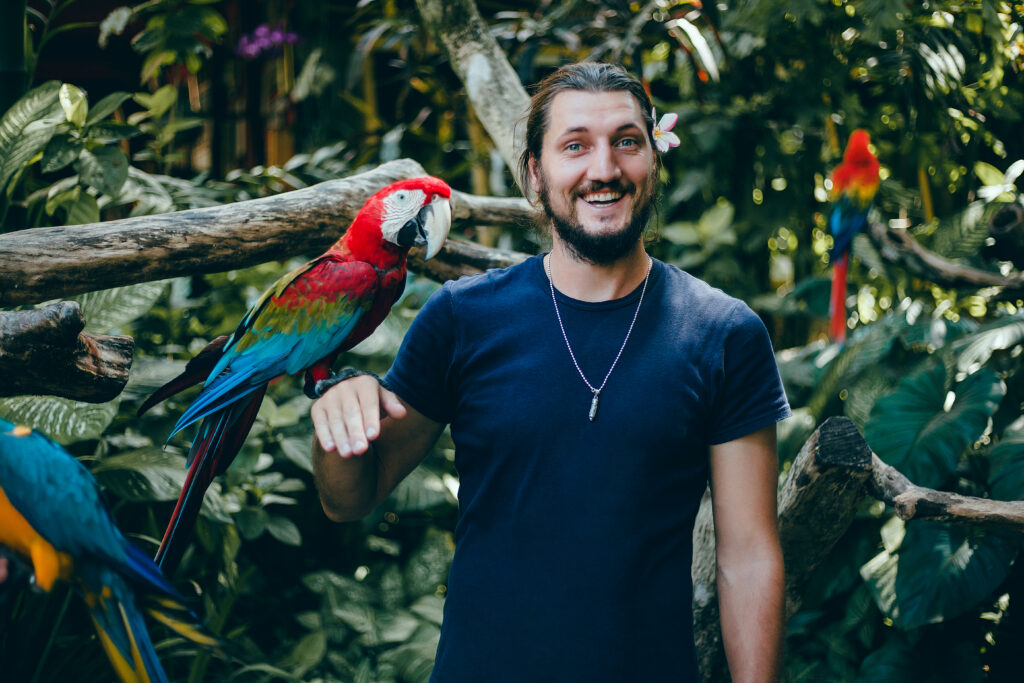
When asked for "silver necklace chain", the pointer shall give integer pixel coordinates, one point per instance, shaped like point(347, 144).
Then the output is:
point(596, 391)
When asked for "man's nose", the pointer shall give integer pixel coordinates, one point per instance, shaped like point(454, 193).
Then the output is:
point(603, 166)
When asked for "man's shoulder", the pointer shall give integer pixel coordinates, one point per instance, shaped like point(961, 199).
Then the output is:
point(497, 281)
point(690, 296)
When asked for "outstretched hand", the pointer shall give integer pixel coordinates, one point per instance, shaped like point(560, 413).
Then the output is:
point(347, 417)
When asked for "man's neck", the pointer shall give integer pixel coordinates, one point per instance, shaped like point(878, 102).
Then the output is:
point(592, 282)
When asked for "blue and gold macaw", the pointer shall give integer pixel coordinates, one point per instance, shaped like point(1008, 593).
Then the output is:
point(52, 516)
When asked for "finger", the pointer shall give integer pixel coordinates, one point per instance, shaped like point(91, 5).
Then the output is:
point(333, 402)
point(321, 427)
point(369, 401)
point(352, 415)
point(391, 405)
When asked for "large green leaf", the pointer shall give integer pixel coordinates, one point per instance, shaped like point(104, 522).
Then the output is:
point(1006, 464)
point(27, 127)
point(142, 476)
point(105, 107)
point(61, 419)
point(104, 168)
point(912, 430)
point(421, 490)
point(109, 309)
point(974, 350)
point(939, 572)
point(74, 103)
point(60, 151)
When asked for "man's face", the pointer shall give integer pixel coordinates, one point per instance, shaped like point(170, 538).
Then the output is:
point(596, 173)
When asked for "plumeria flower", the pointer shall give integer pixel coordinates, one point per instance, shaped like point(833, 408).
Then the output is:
point(663, 138)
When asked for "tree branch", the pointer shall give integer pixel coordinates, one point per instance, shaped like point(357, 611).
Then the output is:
point(916, 502)
point(900, 247)
point(48, 263)
point(497, 96)
point(44, 351)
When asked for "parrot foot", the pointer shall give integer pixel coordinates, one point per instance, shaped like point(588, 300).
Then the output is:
point(319, 388)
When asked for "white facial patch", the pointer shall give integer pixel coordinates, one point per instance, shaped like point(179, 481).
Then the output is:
point(400, 207)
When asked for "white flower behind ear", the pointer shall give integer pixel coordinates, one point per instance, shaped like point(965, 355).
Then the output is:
point(663, 139)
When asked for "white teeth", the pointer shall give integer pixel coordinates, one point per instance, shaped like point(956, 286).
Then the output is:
point(602, 197)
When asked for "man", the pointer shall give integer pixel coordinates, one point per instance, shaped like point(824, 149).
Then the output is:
point(590, 392)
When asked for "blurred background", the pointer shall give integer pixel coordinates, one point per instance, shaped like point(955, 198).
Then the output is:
point(175, 104)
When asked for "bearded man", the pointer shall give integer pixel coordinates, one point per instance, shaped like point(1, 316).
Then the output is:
point(592, 392)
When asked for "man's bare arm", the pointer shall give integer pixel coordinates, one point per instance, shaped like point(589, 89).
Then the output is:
point(744, 475)
point(358, 458)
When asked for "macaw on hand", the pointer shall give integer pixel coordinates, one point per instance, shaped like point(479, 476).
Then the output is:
point(53, 517)
point(300, 324)
point(854, 184)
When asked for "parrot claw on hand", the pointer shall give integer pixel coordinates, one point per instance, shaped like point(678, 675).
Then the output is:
point(301, 324)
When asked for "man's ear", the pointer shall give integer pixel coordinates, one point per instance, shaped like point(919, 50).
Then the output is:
point(533, 173)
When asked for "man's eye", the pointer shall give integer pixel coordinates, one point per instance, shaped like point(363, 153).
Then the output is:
point(574, 147)
point(627, 142)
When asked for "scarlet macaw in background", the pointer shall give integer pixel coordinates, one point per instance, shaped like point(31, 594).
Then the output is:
point(52, 515)
point(854, 184)
point(301, 323)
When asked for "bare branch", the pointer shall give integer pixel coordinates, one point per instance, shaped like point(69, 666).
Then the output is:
point(900, 247)
point(49, 263)
point(44, 351)
point(916, 502)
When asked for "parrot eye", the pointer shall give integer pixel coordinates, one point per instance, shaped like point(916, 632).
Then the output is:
point(402, 196)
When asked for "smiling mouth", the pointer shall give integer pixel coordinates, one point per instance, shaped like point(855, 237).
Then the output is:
point(603, 198)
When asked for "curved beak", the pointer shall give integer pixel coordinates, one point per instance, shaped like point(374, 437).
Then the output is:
point(435, 219)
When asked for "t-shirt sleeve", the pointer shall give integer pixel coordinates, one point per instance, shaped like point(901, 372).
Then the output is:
point(422, 369)
point(748, 392)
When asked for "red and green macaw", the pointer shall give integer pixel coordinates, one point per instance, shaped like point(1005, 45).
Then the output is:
point(300, 324)
point(854, 184)
point(52, 516)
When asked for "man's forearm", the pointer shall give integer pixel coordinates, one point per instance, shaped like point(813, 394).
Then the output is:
point(348, 486)
point(751, 603)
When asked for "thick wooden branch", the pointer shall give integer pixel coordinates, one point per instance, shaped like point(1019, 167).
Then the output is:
point(499, 99)
point(916, 502)
point(816, 505)
point(900, 247)
point(49, 263)
point(44, 351)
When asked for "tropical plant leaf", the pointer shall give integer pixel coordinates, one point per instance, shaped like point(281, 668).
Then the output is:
point(27, 127)
point(83, 210)
point(105, 107)
point(63, 420)
point(60, 151)
point(284, 530)
point(142, 476)
point(891, 663)
point(252, 522)
point(420, 491)
point(940, 572)
point(110, 309)
point(414, 661)
point(427, 568)
point(307, 653)
point(911, 429)
point(1006, 464)
point(974, 350)
point(74, 103)
point(966, 232)
point(103, 168)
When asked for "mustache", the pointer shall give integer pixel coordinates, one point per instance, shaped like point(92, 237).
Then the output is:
point(624, 187)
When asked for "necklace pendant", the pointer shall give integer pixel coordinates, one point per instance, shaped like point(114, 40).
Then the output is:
point(593, 406)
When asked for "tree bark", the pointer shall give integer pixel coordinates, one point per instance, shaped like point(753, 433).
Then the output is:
point(817, 502)
point(48, 263)
point(900, 247)
point(44, 351)
point(499, 99)
point(916, 502)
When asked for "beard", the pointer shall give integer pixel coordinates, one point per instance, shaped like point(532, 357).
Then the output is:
point(605, 248)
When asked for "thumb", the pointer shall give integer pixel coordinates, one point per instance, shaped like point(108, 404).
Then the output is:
point(392, 406)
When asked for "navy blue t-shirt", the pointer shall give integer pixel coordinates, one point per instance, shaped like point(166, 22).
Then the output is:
point(573, 546)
